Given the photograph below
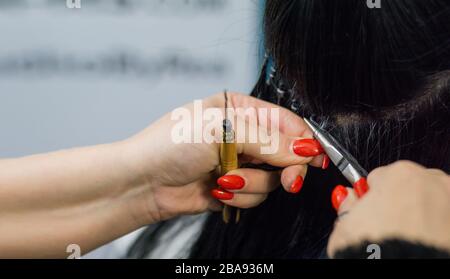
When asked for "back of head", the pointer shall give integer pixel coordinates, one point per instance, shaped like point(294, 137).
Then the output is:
point(342, 56)
point(378, 79)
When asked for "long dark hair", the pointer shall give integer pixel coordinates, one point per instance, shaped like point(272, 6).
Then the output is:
point(378, 79)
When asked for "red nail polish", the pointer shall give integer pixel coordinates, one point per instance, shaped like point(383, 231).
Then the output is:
point(361, 187)
point(325, 162)
point(307, 147)
point(231, 182)
point(221, 195)
point(338, 196)
point(297, 185)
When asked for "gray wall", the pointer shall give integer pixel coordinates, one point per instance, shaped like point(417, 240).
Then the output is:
point(73, 77)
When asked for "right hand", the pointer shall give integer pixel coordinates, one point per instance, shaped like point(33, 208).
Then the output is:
point(405, 202)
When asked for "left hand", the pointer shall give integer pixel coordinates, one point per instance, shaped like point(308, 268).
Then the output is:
point(178, 177)
point(91, 195)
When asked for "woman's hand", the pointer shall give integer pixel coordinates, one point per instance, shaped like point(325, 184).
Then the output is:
point(177, 178)
point(405, 201)
point(89, 196)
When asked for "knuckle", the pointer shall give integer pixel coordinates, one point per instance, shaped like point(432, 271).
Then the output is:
point(375, 174)
point(438, 172)
point(404, 166)
point(216, 98)
point(237, 99)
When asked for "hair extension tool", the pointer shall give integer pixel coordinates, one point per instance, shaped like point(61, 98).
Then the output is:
point(228, 158)
point(341, 158)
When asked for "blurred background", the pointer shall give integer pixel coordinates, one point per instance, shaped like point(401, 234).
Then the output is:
point(100, 73)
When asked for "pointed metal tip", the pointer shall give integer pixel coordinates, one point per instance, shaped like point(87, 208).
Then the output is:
point(307, 122)
point(311, 125)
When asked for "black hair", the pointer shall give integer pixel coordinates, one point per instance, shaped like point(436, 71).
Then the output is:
point(377, 79)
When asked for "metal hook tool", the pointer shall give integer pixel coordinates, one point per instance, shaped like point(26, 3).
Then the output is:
point(228, 157)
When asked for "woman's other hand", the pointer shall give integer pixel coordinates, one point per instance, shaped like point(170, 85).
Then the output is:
point(405, 202)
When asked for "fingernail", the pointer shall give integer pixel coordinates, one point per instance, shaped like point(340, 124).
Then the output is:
point(231, 182)
point(297, 185)
point(325, 162)
point(338, 196)
point(307, 147)
point(221, 195)
point(361, 187)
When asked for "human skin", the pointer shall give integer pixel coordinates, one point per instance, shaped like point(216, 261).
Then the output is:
point(92, 195)
point(406, 201)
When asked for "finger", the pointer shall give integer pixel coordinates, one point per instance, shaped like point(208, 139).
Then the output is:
point(246, 159)
point(290, 123)
point(249, 181)
point(274, 134)
point(377, 177)
point(338, 238)
point(292, 178)
point(274, 148)
point(338, 196)
point(320, 161)
point(245, 200)
point(348, 203)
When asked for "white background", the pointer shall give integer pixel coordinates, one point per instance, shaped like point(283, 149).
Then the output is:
point(74, 77)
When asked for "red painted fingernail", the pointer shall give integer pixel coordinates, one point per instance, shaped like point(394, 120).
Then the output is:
point(231, 182)
point(338, 196)
point(361, 187)
point(221, 195)
point(307, 147)
point(297, 185)
point(325, 162)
